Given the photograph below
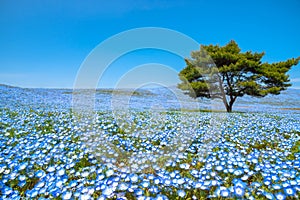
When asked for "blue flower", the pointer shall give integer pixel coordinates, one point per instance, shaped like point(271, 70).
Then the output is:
point(66, 195)
point(39, 173)
point(277, 186)
point(289, 191)
point(224, 193)
point(51, 169)
point(145, 184)
point(280, 196)
point(108, 191)
point(156, 181)
point(239, 191)
point(269, 195)
point(219, 168)
point(73, 183)
point(31, 193)
point(138, 192)
point(109, 172)
point(22, 178)
point(134, 178)
point(161, 197)
point(154, 190)
point(40, 184)
point(84, 197)
point(123, 186)
point(22, 183)
point(61, 172)
point(181, 193)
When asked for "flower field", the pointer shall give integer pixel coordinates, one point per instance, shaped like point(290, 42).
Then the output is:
point(49, 152)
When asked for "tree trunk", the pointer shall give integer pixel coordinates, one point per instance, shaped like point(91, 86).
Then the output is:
point(229, 108)
point(229, 105)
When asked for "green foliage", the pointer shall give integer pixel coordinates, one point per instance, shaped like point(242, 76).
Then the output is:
point(226, 73)
point(82, 163)
point(294, 150)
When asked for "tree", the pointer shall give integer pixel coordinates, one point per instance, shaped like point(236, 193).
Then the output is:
point(224, 72)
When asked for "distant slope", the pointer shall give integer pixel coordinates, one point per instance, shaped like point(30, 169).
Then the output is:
point(167, 98)
point(8, 86)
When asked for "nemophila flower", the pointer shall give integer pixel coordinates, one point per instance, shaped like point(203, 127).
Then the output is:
point(161, 197)
point(184, 166)
point(84, 197)
point(59, 183)
point(108, 191)
point(213, 173)
point(230, 170)
point(275, 177)
point(123, 186)
point(66, 195)
point(207, 184)
point(224, 192)
point(31, 193)
point(100, 183)
point(293, 182)
point(132, 187)
point(286, 184)
point(51, 169)
point(22, 183)
point(100, 177)
point(167, 182)
point(180, 181)
point(215, 182)
point(277, 186)
point(40, 184)
point(239, 183)
point(156, 181)
point(181, 193)
point(269, 195)
point(133, 178)
point(42, 190)
point(39, 174)
point(109, 181)
point(154, 190)
point(15, 195)
point(239, 191)
point(197, 184)
point(238, 172)
point(138, 192)
point(289, 191)
point(22, 166)
point(246, 176)
point(145, 184)
point(2, 168)
point(22, 177)
point(219, 168)
point(267, 182)
point(280, 196)
point(85, 174)
point(297, 188)
point(7, 190)
point(77, 194)
point(61, 172)
point(101, 197)
point(109, 172)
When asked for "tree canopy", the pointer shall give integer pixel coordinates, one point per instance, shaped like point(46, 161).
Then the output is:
point(224, 72)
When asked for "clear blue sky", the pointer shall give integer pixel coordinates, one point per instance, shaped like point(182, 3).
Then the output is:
point(43, 43)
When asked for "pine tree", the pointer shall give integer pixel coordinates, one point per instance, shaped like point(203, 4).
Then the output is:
point(224, 72)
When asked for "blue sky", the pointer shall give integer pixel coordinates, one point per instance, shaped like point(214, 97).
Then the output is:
point(43, 43)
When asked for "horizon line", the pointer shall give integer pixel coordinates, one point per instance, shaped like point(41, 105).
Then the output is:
point(72, 88)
